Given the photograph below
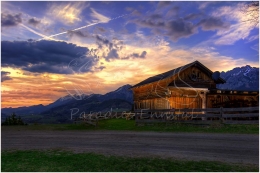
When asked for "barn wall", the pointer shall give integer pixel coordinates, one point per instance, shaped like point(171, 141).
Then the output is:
point(185, 102)
point(169, 103)
point(229, 101)
point(156, 103)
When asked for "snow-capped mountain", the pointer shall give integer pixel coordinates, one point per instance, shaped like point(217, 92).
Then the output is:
point(241, 78)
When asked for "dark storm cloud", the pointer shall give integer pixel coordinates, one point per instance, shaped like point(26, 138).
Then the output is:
point(8, 20)
point(46, 56)
point(34, 22)
point(212, 23)
point(4, 76)
point(44, 67)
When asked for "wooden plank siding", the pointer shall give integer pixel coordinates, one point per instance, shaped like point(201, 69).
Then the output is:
point(227, 100)
point(185, 102)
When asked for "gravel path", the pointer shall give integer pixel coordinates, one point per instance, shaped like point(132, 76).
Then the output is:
point(232, 148)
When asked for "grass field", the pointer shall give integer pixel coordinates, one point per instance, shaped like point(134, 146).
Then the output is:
point(122, 124)
point(61, 161)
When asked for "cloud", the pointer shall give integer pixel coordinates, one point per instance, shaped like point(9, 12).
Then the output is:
point(213, 23)
point(47, 56)
point(163, 4)
point(156, 16)
point(255, 47)
point(150, 22)
point(174, 28)
point(78, 33)
point(108, 49)
point(129, 9)
point(192, 16)
point(179, 28)
point(114, 49)
point(252, 38)
point(8, 20)
point(34, 22)
point(143, 54)
point(172, 12)
point(136, 55)
point(45, 67)
point(4, 76)
point(100, 67)
point(112, 55)
point(98, 17)
point(67, 13)
point(136, 13)
point(203, 5)
point(103, 41)
point(241, 26)
point(100, 29)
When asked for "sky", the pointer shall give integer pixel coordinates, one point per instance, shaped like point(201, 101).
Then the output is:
point(52, 49)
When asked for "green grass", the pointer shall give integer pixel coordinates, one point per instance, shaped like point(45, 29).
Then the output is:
point(122, 124)
point(61, 161)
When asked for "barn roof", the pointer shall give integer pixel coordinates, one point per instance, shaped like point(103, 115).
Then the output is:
point(176, 71)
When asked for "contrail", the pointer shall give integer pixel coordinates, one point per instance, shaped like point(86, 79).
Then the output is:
point(44, 37)
point(50, 37)
point(35, 32)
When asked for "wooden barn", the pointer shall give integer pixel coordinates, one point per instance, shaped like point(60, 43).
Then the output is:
point(189, 86)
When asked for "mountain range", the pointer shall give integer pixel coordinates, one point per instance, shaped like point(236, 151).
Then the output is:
point(240, 78)
point(61, 110)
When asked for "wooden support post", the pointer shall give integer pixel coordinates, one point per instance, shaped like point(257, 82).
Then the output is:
point(221, 115)
point(203, 97)
point(204, 101)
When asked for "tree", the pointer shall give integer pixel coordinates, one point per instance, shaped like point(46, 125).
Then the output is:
point(251, 11)
point(12, 120)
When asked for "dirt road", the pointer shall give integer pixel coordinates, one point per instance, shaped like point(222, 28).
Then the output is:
point(233, 148)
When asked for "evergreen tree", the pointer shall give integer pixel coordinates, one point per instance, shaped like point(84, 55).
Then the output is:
point(12, 120)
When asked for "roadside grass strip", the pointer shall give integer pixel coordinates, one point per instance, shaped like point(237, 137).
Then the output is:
point(66, 161)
